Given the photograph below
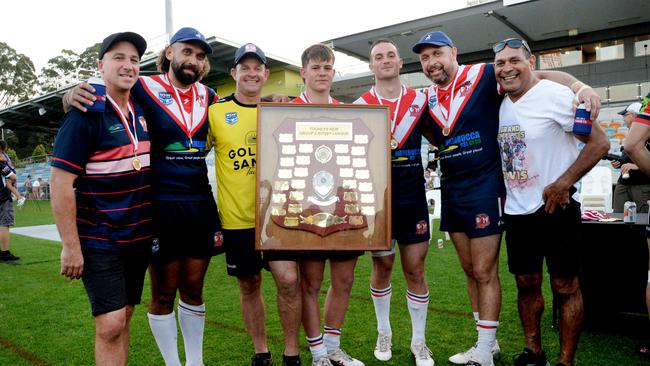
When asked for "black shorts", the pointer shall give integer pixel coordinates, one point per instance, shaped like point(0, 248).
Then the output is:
point(114, 279)
point(332, 255)
point(186, 229)
point(411, 222)
point(241, 257)
point(556, 237)
point(476, 218)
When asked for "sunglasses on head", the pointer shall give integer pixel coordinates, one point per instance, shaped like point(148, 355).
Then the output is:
point(512, 43)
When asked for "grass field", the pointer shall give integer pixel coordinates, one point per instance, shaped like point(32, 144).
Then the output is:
point(45, 318)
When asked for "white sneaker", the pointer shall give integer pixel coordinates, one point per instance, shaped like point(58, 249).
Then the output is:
point(382, 349)
point(323, 361)
point(422, 354)
point(464, 357)
point(20, 202)
point(340, 358)
point(475, 360)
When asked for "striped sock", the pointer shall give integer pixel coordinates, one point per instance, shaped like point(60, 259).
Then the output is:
point(192, 321)
point(487, 335)
point(417, 305)
point(317, 347)
point(381, 300)
point(332, 338)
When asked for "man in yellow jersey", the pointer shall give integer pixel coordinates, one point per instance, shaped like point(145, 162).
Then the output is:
point(318, 73)
point(233, 124)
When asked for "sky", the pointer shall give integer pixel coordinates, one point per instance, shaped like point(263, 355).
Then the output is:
point(40, 29)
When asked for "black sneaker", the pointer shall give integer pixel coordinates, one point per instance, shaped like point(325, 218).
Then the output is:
point(528, 358)
point(291, 360)
point(262, 359)
point(7, 257)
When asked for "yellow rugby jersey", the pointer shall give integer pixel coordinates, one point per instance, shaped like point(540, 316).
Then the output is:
point(233, 131)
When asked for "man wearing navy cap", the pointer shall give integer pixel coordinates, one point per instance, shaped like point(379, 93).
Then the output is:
point(186, 225)
point(233, 131)
point(101, 198)
point(463, 104)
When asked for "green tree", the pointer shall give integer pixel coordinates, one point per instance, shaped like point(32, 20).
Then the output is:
point(12, 155)
point(39, 150)
point(17, 76)
point(68, 68)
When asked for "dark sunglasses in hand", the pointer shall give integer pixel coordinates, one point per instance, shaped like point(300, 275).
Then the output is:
point(512, 43)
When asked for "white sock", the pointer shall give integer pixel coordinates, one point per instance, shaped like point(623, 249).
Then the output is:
point(381, 300)
point(332, 338)
point(417, 305)
point(192, 321)
point(163, 328)
point(317, 347)
point(487, 335)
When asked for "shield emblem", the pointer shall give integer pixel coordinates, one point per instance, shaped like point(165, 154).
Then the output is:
point(231, 118)
point(323, 183)
point(165, 98)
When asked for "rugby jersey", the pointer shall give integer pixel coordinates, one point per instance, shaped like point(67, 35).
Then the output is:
point(469, 157)
point(302, 99)
point(233, 133)
point(112, 197)
point(407, 170)
point(6, 171)
point(178, 137)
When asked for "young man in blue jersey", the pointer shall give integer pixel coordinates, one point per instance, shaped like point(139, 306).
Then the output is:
point(101, 198)
point(233, 133)
point(542, 195)
point(410, 213)
point(318, 74)
point(186, 222)
point(464, 105)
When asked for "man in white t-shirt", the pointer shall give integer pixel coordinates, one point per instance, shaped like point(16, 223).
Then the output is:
point(541, 165)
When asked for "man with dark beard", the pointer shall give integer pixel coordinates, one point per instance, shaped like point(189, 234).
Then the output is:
point(185, 220)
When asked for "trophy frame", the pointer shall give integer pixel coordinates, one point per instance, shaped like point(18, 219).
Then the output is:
point(323, 177)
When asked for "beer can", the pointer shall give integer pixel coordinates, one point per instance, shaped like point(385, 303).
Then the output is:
point(582, 121)
point(629, 212)
point(441, 244)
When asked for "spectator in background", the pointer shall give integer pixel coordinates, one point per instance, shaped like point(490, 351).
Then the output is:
point(28, 186)
point(632, 185)
point(36, 188)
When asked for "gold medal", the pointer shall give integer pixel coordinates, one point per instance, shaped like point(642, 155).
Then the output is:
point(137, 165)
point(393, 144)
point(445, 131)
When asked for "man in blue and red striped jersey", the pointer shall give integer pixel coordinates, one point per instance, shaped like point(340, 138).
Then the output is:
point(186, 224)
point(463, 103)
point(410, 219)
point(637, 146)
point(101, 198)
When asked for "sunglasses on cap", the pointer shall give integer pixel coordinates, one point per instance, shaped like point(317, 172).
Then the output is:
point(512, 43)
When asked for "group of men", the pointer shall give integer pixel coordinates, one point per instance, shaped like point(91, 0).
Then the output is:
point(131, 189)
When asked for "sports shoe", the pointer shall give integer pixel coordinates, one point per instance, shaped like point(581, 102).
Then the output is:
point(323, 361)
point(291, 360)
point(382, 348)
point(463, 357)
point(340, 358)
point(262, 359)
point(528, 358)
point(475, 360)
point(422, 354)
point(8, 257)
point(20, 202)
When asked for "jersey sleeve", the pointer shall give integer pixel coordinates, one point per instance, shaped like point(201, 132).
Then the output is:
point(644, 112)
point(563, 110)
point(5, 170)
point(491, 76)
point(75, 141)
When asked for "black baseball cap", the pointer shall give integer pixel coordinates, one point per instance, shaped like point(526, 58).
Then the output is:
point(249, 49)
point(137, 40)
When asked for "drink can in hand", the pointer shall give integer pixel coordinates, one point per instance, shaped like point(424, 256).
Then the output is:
point(100, 94)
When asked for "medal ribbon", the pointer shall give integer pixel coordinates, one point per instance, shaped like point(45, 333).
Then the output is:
point(304, 97)
point(133, 136)
point(177, 99)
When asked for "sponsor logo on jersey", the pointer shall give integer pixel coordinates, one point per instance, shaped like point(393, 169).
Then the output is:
point(231, 118)
point(465, 88)
point(414, 109)
point(155, 245)
point(143, 123)
point(218, 239)
point(421, 227)
point(482, 221)
point(165, 98)
point(433, 100)
point(116, 128)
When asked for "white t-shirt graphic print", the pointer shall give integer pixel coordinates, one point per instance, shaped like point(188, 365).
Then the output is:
point(537, 144)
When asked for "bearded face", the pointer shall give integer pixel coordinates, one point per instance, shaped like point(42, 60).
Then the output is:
point(186, 73)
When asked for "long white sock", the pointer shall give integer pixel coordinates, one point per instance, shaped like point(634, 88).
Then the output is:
point(417, 305)
point(381, 300)
point(487, 335)
point(332, 338)
point(317, 347)
point(192, 321)
point(163, 328)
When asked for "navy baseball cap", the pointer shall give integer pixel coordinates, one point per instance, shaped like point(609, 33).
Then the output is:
point(249, 49)
point(435, 38)
point(137, 40)
point(191, 35)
